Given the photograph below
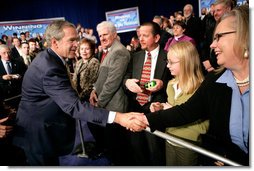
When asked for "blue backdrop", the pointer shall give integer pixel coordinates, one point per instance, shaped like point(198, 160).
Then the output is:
point(89, 12)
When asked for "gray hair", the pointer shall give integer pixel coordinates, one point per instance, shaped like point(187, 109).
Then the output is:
point(227, 3)
point(189, 5)
point(4, 46)
point(55, 30)
point(106, 24)
point(158, 17)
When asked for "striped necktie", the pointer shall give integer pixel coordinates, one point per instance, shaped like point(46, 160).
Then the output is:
point(143, 97)
point(9, 70)
point(69, 74)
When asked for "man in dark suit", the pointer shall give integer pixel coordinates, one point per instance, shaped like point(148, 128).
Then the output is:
point(150, 152)
point(164, 35)
point(193, 25)
point(220, 7)
point(49, 105)
point(10, 154)
point(16, 48)
point(11, 76)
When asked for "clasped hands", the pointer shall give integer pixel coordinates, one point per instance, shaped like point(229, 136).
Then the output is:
point(132, 121)
point(11, 77)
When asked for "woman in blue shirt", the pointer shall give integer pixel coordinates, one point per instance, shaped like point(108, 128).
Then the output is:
point(224, 95)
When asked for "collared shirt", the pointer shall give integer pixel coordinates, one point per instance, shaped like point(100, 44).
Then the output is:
point(239, 123)
point(178, 37)
point(27, 59)
point(106, 50)
point(177, 90)
point(154, 57)
point(112, 114)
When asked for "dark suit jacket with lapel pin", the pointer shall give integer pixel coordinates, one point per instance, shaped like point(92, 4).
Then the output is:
point(45, 118)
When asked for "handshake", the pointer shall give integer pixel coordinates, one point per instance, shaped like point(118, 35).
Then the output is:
point(132, 121)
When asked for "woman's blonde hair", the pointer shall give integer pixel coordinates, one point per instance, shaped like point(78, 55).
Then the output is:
point(241, 25)
point(190, 76)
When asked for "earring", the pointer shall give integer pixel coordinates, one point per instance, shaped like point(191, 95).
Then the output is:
point(246, 54)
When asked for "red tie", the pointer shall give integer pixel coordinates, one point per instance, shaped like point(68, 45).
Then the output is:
point(142, 98)
point(104, 55)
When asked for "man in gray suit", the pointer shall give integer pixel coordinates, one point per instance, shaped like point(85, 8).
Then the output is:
point(108, 92)
point(49, 105)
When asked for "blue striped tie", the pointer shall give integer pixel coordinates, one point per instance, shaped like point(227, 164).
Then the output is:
point(9, 70)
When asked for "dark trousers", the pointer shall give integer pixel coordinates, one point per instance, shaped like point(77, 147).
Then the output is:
point(146, 149)
point(112, 140)
point(138, 148)
point(11, 155)
point(156, 149)
point(180, 156)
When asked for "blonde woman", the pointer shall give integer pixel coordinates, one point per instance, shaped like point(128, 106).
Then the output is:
point(184, 65)
point(224, 95)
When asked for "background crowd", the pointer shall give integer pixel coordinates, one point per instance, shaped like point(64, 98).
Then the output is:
point(185, 55)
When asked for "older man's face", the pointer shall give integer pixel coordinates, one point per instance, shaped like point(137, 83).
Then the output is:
point(106, 37)
point(5, 54)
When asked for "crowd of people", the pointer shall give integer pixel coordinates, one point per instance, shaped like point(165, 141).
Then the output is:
point(50, 86)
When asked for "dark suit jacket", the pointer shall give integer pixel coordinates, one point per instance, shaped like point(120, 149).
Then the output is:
point(164, 38)
point(193, 29)
point(11, 88)
point(99, 55)
point(213, 101)
point(45, 124)
point(134, 71)
point(14, 53)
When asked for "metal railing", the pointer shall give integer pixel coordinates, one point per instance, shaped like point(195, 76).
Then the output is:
point(172, 139)
point(192, 147)
point(12, 98)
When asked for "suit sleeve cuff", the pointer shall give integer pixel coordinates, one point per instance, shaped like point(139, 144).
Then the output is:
point(111, 117)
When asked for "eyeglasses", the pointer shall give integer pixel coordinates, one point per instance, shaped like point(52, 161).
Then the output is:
point(219, 35)
point(171, 63)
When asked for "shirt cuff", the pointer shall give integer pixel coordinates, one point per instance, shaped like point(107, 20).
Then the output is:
point(111, 117)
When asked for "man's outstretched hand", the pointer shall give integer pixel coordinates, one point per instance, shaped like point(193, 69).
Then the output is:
point(132, 121)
